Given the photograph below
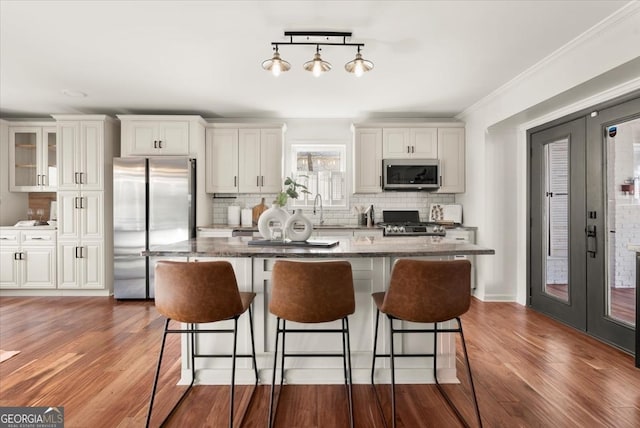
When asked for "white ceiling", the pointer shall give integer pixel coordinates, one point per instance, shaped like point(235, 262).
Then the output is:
point(432, 58)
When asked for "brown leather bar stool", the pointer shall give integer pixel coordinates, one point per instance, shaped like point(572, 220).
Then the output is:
point(425, 292)
point(312, 292)
point(195, 293)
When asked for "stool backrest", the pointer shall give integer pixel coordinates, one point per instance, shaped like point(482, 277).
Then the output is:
point(312, 292)
point(428, 291)
point(196, 292)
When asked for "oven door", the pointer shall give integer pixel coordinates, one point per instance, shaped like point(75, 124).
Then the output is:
point(410, 174)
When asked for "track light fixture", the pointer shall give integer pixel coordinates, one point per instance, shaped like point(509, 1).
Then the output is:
point(276, 65)
point(317, 65)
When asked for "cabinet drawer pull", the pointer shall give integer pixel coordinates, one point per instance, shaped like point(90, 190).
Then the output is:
point(235, 181)
point(16, 256)
point(82, 174)
point(257, 181)
point(262, 180)
point(155, 144)
point(159, 144)
point(413, 149)
point(37, 238)
point(408, 150)
point(76, 180)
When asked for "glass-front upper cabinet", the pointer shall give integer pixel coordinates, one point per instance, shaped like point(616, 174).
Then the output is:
point(33, 158)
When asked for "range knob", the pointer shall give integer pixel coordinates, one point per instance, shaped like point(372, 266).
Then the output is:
point(395, 229)
point(388, 228)
point(401, 229)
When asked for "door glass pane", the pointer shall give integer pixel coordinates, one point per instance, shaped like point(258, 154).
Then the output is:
point(623, 218)
point(26, 162)
point(556, 224)
point(52, 170)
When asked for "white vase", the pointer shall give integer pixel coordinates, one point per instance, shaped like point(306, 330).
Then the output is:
point(271, 223)
point(292, 227)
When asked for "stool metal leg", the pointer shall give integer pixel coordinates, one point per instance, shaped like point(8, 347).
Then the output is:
point(157, 375)
point(375, 345)
point(273, 375)
point(346, 349)
point(393, 375)
point(253, 347)
point(233, 371)
point(473, 390)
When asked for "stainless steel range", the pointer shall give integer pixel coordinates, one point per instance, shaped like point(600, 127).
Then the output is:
point(407, 223)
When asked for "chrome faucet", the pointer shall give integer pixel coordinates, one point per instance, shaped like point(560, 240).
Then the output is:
point(315, 201)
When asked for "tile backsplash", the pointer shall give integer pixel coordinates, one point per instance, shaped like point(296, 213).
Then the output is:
point(381, 201)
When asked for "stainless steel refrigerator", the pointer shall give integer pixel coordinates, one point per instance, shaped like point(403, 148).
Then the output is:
point(153, 204)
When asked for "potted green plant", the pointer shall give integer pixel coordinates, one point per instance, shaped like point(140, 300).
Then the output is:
point(293, 190)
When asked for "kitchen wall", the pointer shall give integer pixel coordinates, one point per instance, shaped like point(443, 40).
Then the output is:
point(600, 65)
point(381, 201)
point(332, 131)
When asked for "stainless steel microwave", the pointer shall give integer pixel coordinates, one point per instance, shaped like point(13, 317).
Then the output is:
point(410, 174)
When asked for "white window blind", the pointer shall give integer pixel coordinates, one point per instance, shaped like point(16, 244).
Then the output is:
point(558, 198)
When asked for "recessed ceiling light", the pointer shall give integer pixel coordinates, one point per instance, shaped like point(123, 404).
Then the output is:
point(73, 93)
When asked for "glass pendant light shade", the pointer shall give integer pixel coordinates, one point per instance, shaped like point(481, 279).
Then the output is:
point(276, 65)
point(317, 66)
point(358, 65)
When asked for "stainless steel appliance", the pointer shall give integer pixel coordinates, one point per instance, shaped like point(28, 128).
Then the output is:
point(153, 204)
point(410, 174)
point(407, 223)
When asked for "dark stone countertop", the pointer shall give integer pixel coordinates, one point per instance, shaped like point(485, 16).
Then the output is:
point(347, 248)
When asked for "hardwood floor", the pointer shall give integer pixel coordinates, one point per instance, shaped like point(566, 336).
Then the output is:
point(95, 357)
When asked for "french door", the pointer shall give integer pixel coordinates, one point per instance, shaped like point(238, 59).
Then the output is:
point(584, 202)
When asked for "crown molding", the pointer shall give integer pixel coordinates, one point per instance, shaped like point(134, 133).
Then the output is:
point(627, 12)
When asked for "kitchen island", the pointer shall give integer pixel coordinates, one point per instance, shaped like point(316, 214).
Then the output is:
point(371, 261)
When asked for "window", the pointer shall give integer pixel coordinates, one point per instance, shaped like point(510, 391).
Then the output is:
point(322, 168)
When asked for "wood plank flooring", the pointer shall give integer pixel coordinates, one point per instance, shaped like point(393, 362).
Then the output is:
point(96, 356)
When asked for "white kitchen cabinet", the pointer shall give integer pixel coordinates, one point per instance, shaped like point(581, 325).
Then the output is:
point(155, 137)
point(407, 143)
point(444, 141)
point(81, 265)
point(87, 145)
point(28, 259)
point(80, 215)
point(451, 149)
point(222, 160)
point(244, 160)
point(468, 236)
point(367, 160)
point(81, 155)
point(33, 159)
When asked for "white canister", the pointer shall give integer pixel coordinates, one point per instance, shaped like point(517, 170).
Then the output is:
point(233, 215)
point(246, 217)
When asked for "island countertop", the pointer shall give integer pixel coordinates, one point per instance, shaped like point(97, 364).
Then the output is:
point(347, 248)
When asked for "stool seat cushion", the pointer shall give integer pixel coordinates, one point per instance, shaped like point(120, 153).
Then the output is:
point(312, 292)
point(198, 292)
point(427, 290)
